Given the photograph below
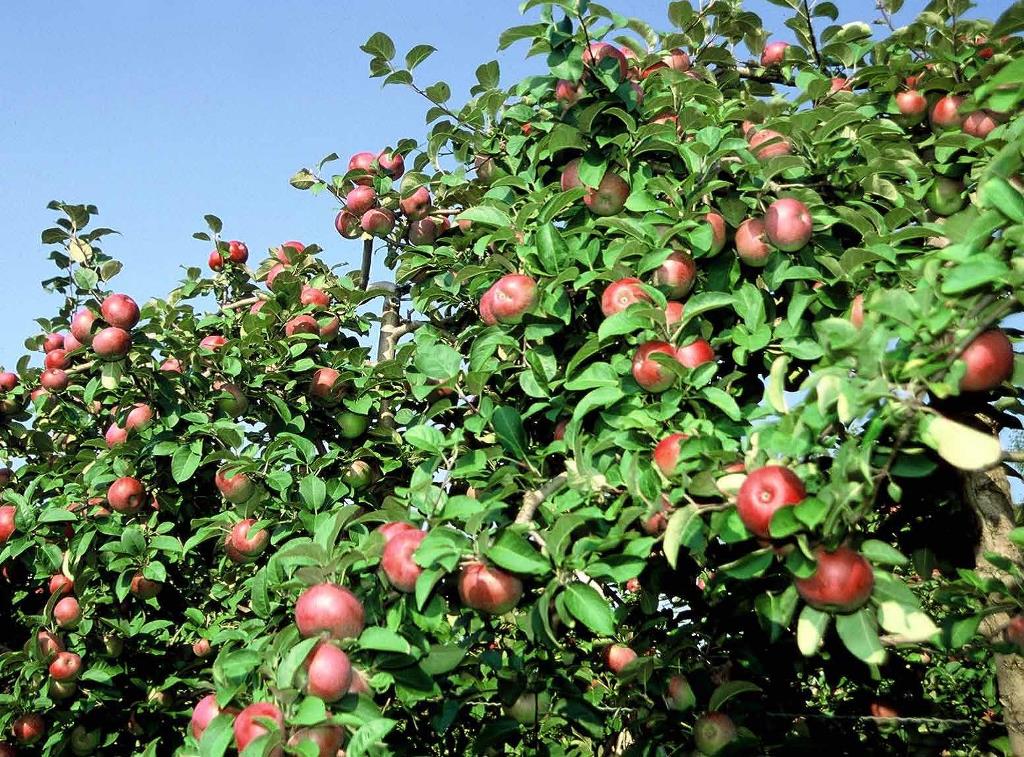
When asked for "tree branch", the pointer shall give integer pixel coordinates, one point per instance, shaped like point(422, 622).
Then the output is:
point(364, 271)
point(810, 33)
point(241, 303)
point(533, 499)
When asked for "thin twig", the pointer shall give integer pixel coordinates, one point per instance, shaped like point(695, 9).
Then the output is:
point(810, 33)
point(242, 303)
point(533, 499)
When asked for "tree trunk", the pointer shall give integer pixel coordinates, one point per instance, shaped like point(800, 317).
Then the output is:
point(988, 494)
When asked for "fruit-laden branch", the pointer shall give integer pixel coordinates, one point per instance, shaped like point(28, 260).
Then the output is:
point(241, 303)
point(533, 499)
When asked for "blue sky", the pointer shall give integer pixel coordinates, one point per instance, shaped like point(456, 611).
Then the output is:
point(160, 112)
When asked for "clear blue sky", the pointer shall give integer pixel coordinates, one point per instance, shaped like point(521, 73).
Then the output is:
point(160, 112)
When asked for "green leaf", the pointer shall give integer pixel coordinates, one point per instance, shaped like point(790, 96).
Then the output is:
point(750, 565)
point(960, 445)
point(909, 623)
point(384, 640)
point(882, 552)
point(997, 193)
point(292, 661)
point(551, 247)
point(184, 463)
point(722, 401)
point(487, 215)
point(593, 376)
point(442, 658)
point(859, 633)
point(508, 425)
point(512, 552)
point(365, 740)
point(590, 608)
point(775, 390)
point(379, 45)
point(424, 437)
point(218, 736)
point(675, 531)
point(810, 630)
point(313, 491)
point(728, 690)
point(417, 55)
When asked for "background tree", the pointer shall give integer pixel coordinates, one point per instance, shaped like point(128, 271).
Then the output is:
point(611, 482)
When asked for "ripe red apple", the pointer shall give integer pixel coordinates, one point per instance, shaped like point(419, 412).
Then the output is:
point(238, 251)
point(391, 164)
point(673, 313)
point(617, 657)
point(65, 666)
point(945, 113)
point(54, 380)
point(360, 199)
point(328, 672)
point(112, 343)
point(143, 588)
point(202, 648)
point(81, 325)
point(313, 296)
point(989, 360)
point(423, 231)
point(212, 342)
point(290, 251)
point(713, 732)
point(140, 416)
point(620, 294)
point(596, 52)
point(980, 123)
point(676, 275)
point(215, 261)
point(488, 589)
point(325, 386)
point(53, 342)
point(235, 488)
point(666, 118)
point(666, 452)
point(764, 491)
point(529, 707)
point(695, 354)
point(679, 694)
point(301, 324)
point(363, 163)
point(1014, 631)
point(331, 609)
point(774, 53)
point(656, 522)
point(115, 435)
point(347, 224)
point(397, 560)
point(568, 92)
point(276, 270)
point(857, 311)
point(171, 365)
point(390, 530)
point(842, 581)
point(8, 381)
point(648, 373)
point(56, 359)
point(48, 645)
point(29, 728)
point(718, 232)
point(242, 544)
point(609, 196)
point(61, 583)
point(67, 612)
point(126, 495)
point(512, 295)
point(839, 84)
point(912, 104)
point(487, 308)
point(121, 311)
point(677, 60)
point(378, 222)
point(328, 739)
point(945, 196)
point(752, 243)
point(205, 711)
point(788, 224)
point(417, 205)
point(247, 729)
point(779, 144)
point(236, 403)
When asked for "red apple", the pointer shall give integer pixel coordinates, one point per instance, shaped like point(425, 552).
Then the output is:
point(391, 164)
point(676, 275)
point(212, 342)
point(673, 313)
point(718, 232)
point(328, 739)
point(788, 224)
point(713, 732)
point(81, 325)
point(205, 711)
point(57, 359)
point(945, 113)
point(143, 588)
point(989, 360)
point(568, 92)
point(325, 386)
point(648, 373)
point(423, 231)
point(620, 294)
point(215, 261)
point(775, 144)
point(513, 295)
point(980, 123)
point(65, 666)
point(362, 162)
point(249, 726)
point(53, 380)
point(235, 488)
point(857, 311)
point(202, 648)
point(126, 495)
point(8, 381)
point(236, 403)
point(654, 68)
point(301, 324)
point(61, 583)
point(238, 251)
point(390, 530)
point(347, 224)
point(487, 589)
point(313, 296)
point(608, 197)
point(487, 308)
point(1014, 631)
point(617, 657)
point(677, 60)
point(656, 522)
point(67, 612)
point(53, 342)
point(764, 491)
point(121, 311)
point(378, 222)
point(839, 84)
point(666, 452)
point(242, 544)
point(140, 416)
point(416, 206)
point(289, 252)
point(115, 435)
point(596, 52)
point(171, 365)
point(360, 199)
point(679, 694)
point(331, 609)
point(695, 354)
point(842, 581)
point(912, 104)
point(397, 560)
point(48, 645)
point(752, 243)
point(112, 343)
point(29, 728)
point(774, 53)
point(570, 178)
point(328, 672)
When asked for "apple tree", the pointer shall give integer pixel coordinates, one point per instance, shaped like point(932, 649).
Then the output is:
point(676, 431)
